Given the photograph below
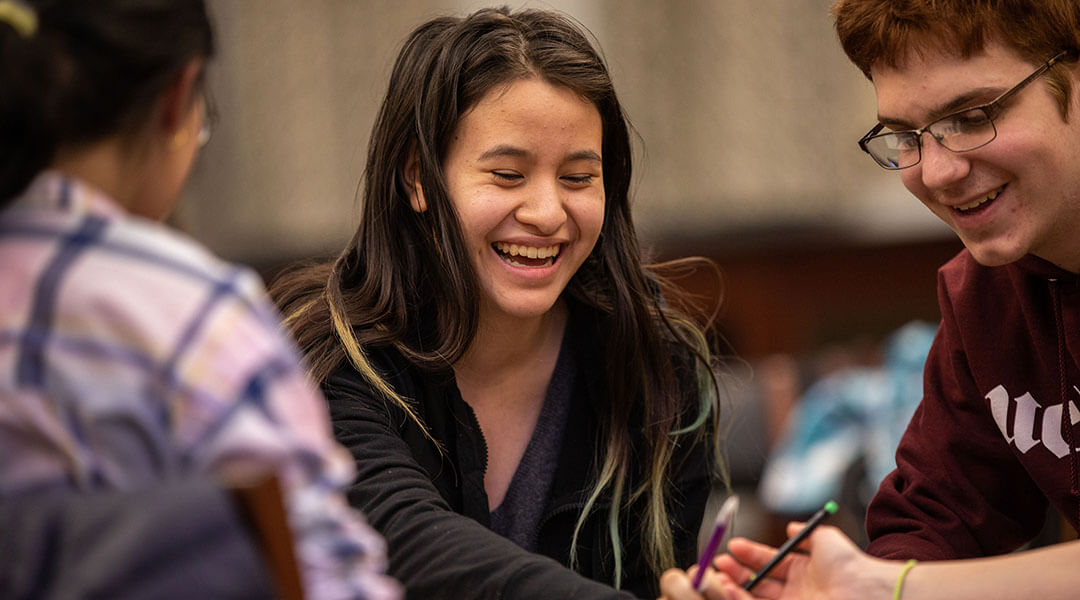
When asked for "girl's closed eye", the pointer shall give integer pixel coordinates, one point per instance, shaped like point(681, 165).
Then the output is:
point(508, 177)
point(579, 179)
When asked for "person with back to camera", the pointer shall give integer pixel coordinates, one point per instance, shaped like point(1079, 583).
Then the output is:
point(528, 417)
point(979, 112)
point(131, 358)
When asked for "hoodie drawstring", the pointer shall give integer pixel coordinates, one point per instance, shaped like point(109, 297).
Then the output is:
point(1066, 413)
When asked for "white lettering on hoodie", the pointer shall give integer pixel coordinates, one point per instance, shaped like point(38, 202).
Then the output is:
point(1024, 425)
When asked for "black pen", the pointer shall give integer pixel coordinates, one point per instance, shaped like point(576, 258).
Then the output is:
point(795, 540)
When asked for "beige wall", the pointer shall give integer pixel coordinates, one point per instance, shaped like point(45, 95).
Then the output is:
point(747, 111)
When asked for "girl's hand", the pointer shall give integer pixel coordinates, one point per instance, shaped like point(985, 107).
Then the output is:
point(833, 569)
point(675, 584)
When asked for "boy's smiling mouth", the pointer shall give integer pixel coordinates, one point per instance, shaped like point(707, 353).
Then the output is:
point(974, 204)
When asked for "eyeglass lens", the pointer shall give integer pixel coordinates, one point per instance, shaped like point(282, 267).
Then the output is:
point(958, 132)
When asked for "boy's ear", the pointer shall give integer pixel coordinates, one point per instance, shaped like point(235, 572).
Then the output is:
point(412, 181)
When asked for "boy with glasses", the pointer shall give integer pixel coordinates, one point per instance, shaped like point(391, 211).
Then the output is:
point(978, 111)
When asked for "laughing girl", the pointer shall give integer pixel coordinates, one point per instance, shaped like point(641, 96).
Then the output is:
point(529, 418)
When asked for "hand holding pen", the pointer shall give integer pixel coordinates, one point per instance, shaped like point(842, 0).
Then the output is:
point(744, 554)
point(792, 543)
point(725, 517)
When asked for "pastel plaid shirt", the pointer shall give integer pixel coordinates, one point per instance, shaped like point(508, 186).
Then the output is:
point(129, 354)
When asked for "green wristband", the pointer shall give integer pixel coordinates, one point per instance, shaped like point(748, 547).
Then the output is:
point(899, 587)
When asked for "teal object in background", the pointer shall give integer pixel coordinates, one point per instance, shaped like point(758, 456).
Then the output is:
point(853, 416)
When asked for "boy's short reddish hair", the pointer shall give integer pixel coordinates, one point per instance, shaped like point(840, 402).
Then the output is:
point(884, 31)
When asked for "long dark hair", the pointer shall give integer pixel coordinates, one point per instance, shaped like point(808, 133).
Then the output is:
point(401, 282)
point(75, 72)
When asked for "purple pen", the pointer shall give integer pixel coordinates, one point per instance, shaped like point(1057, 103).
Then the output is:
point(724, 517)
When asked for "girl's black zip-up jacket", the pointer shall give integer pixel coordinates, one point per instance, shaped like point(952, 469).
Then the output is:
point(432, 509)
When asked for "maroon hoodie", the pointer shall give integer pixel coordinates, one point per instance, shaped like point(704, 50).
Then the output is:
point(990, 444)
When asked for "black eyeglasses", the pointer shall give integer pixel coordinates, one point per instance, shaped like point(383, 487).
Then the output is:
point(961, 131)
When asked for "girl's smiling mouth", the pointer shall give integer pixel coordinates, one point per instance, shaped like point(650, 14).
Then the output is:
point(519, 255)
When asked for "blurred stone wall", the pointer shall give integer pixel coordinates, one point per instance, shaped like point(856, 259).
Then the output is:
point(747, 114)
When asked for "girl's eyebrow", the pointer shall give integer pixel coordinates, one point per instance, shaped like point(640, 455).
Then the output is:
point(584, 155)
point(506, 150)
